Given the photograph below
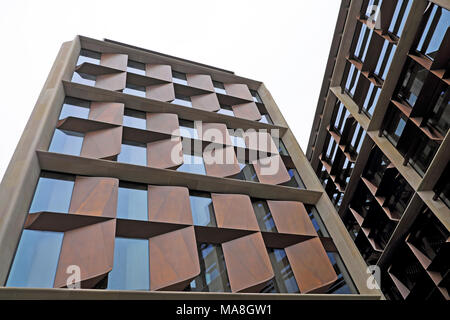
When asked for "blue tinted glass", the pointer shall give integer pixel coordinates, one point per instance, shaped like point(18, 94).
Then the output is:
point(440, 17)
point(202, 211)
point(192, 164)
point(134, 122)
point(360, 40)
point(88, 56)
point(265, 118)
point(226, 112)
point(367, 45)
point(264, 217)
point(131, 265)
point(36, 259)
point(66, 142)
point(183, 102)
point(70, 110)
point(400, 127)
point(132, 204)
point(220, 90)
point(85, 79)
point(133, 154)
point(296, 180)
point(284, 276)
point(238, 141)
point(188, 132)
point(134, 91)
point(52, 195)
point(405, 15)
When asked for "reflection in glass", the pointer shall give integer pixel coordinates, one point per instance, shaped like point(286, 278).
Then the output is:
point(131, 265)
point(134, 90)
point(202, 210)
point(36, 259)
point(136, 67)
point(182, 100)
point(73, 107)
point(247, 172)
point(179, 77)
point(399, 18)
point(89, 56)
point(226, 110)
point(263, 215)
point(265, 118)
point(412, 84)
point(434, 32)
point(52, 194)
point(187, 129)
point(134, 119)
point(219, 87)
point(67, 142)
point(295, 181)
point(133, 153)
point(83, 78)
point(284, 277)
point(132, 203)
point(192, 164)
point(213, 275)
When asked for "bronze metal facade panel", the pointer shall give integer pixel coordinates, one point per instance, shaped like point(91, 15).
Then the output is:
point(114, 60)
point(173, 260)
point(162, 122)
point(95, 196)
point(215, 132)
point(110, 112)
point(159, 71)
point(162, 92)
point(260, 140)
point(238, 90)
point(92, 249)
point(169, 204)
point(220, 161)
point(291, 217)
point(248, 264)
point(207, 102)
point(202, 81)
point(113, 81)
point(247, 111)
point(165, 154)
point(311, 267)
point(234, 211)
point(271, 170)
point(102, 144)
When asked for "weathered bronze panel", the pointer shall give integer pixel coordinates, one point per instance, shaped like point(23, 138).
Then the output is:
point(238, 90)
point(112, 81)
point(114, 60)
point(165, 154)
point(248, 264)
point(173, 260)
point(159, 71)
point(162, 92)
point(271, 170)
point(234, 211)
point(220, 161)
point(102, 144)
point(247, 111)
point(202, 81)
point(291, 217)
point(162, 122)
point(169, 204)
point(110, 112)
point(207, 102)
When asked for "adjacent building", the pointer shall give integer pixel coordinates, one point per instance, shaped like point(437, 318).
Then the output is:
point(380, 144)
point(143, 175)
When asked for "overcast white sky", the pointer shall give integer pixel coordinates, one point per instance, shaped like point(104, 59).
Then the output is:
point(284, 44)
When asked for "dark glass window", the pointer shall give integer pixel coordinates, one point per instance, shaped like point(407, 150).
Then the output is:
point(439, 117)
point(83, 78)
point(284, 276)
point(395, 125)
point(53, 193)
point(371, 100)
point(179, 77)
point(132, 202)
point(134, 90)
point(219, 87)
point(247, 172)
point(187, 129)
point(282, 148)
point(131, 265)
point(352, 79)
point(399, 18)
point(89, 56)
point(133, 153)
point(192, 164)
point(134, 119)
point(227, 110)
point(136, 67)
point(182, 100)
point(413, 80)
point(424, 153)
point(36, 259)
point(256, 96)
point(213, 274)
point(237, 138)
point(74, 107)
point(202, 209)
point(263, 215)
point(385, 59)
point(437, 24)
point(67, 142)
point(295, 181)
point(265, 118)
point(362, 44)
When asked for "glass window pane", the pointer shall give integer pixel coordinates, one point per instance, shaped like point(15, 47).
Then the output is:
point(132, 203)
point(182, 100)
point(67, 142)
point(202, 210)
point(134, 90)
point(219, 87)
point(73, 107)
point(296, 180)
point(133, 154)
point(134, 119)
point(83, 78)
point(228, 112)
point(247, 172)
point(36, 259)
point(52, 195)
point(179, 77)
point(192, 164)
point(187, 129)
point(263, 215)
point(131, 269)
point(213, 275)
point(136, 67)
point(89, 56)
point(284, 276)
